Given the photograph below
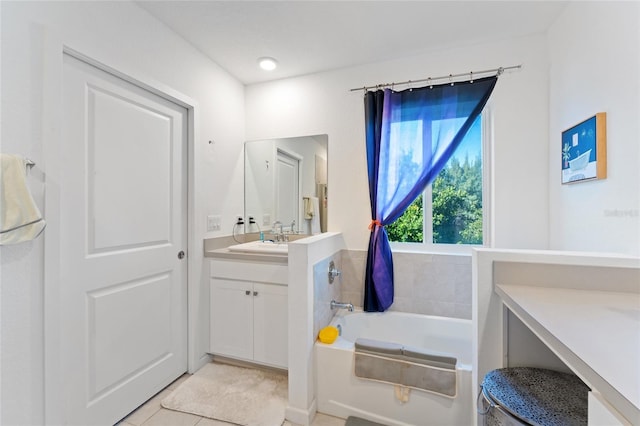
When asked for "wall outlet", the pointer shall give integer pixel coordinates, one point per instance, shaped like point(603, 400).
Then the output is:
point(266, 219)
point(213, 222)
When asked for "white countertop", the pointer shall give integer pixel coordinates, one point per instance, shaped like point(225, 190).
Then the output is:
point(597, 333)
point(225, 253)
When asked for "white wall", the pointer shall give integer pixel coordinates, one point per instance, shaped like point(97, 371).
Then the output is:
point(322, 103)
point(304, 254)
point(595, 66)
point(125, 37)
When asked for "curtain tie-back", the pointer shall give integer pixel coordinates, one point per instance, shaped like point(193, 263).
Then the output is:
point(373, 224)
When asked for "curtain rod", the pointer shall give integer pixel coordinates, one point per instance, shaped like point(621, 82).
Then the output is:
point(498, 71)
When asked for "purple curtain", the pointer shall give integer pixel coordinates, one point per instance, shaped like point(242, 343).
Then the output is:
point(410, 136)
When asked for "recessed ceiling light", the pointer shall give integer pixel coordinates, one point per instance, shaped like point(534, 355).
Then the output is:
point(267, 64)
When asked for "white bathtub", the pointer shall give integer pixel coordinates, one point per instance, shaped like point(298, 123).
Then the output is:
point(340, 393)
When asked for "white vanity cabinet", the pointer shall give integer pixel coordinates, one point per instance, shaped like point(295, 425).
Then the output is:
point(249, 306)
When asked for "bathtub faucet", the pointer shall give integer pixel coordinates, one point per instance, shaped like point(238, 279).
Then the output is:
point(338, 305)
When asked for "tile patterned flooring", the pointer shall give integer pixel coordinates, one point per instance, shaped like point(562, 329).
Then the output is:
point(151, 413)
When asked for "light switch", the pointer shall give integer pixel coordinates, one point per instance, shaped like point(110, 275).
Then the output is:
point(213, 222)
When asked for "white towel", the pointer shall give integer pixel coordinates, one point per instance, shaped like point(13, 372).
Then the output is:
point(20, 219)
point(315, 219)
point(308, 208)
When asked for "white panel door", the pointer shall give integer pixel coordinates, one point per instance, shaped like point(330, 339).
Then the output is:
point(123, 223)
point(287, 185)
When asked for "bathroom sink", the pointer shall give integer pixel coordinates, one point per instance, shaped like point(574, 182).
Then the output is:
point(264, 247)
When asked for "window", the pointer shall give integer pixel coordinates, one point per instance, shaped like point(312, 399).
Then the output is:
point(454, 209)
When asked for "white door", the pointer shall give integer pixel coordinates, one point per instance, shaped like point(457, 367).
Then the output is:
point(287, 188)
point(123, 223)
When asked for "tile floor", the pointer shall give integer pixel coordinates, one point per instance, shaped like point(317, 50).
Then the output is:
point(152, 414)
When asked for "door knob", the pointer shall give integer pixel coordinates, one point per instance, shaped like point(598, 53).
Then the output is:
point(181, 254)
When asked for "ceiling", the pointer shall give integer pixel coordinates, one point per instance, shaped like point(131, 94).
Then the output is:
point(313, 36)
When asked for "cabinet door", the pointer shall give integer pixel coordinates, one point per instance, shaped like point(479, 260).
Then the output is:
point(231, 318)
point(270, 324)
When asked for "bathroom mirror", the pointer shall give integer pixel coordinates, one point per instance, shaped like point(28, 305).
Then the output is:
point(285, 182)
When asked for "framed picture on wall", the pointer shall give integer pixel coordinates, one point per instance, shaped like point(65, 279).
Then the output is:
point(584, 150)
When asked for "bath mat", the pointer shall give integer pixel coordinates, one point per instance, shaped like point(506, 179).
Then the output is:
point(244, 396)
point(357, 421)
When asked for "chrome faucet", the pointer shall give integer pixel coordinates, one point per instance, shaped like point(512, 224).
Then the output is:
point(293, 226)
point(277, 231)
point(339, 305)
point(277, 224)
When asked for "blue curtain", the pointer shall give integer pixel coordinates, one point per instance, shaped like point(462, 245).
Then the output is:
point(410, 136)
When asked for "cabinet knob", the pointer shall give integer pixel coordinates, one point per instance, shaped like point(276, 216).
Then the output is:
point(247, 292)
point(255, 293)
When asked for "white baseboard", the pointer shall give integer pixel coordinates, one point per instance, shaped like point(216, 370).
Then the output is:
point(200, 362)
point(299, 416)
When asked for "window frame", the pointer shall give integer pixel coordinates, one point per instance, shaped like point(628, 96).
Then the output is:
point(487, 203)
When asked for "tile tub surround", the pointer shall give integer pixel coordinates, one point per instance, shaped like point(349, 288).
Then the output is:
point(324, 292)
point(430, 284)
